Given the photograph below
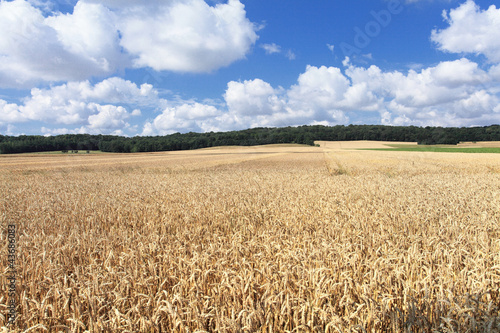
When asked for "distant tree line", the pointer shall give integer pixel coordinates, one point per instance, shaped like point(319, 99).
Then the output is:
point(250, 137)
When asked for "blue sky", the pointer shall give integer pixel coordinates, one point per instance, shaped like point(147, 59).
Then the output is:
point(156, 67)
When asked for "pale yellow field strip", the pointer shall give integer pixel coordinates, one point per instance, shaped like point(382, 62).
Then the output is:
point(481, 144)
point(178, 159)
point(360, 144)
point(411, 163)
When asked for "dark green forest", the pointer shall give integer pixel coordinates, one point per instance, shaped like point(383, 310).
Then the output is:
point(250, 137)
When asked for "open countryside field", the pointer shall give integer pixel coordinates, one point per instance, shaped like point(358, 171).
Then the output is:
point(254, 239)
point(478, 149)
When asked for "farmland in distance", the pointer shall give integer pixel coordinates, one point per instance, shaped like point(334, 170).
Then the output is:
point(254, 239)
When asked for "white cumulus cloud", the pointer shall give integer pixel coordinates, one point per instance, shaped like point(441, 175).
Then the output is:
point(452, 93)
point(58, 48)
point(471, 30)
point(107, 118)
point(9, 113)
point(181, 118)
point(101, 37)
point(252, 97)
point(186, 36)
point(93, 107)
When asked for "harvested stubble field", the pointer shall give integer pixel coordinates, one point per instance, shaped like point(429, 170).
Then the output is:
point(256, 239)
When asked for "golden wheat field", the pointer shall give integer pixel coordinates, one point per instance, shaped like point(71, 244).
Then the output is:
point(256, 239)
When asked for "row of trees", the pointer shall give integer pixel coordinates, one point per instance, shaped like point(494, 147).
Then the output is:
point(256, 136)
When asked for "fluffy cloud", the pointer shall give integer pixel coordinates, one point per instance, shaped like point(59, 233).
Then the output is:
point(429, 86)
point(452, 93)
point(449, 94)
point(181, 118)
point(75, 102)
point(100, 37)
point(188, 36)
point(327, 89)
point(107, 118)
point(118, 90)
point(35, 48)
point(83, 104)
point(315, 98)
point(9, 113)
point(440, 95)
point(324, 86)
point(254, 97)
point(457, 73)
point(495, 72)
point(89, 32)
point(476, 105)
point(471, 30)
